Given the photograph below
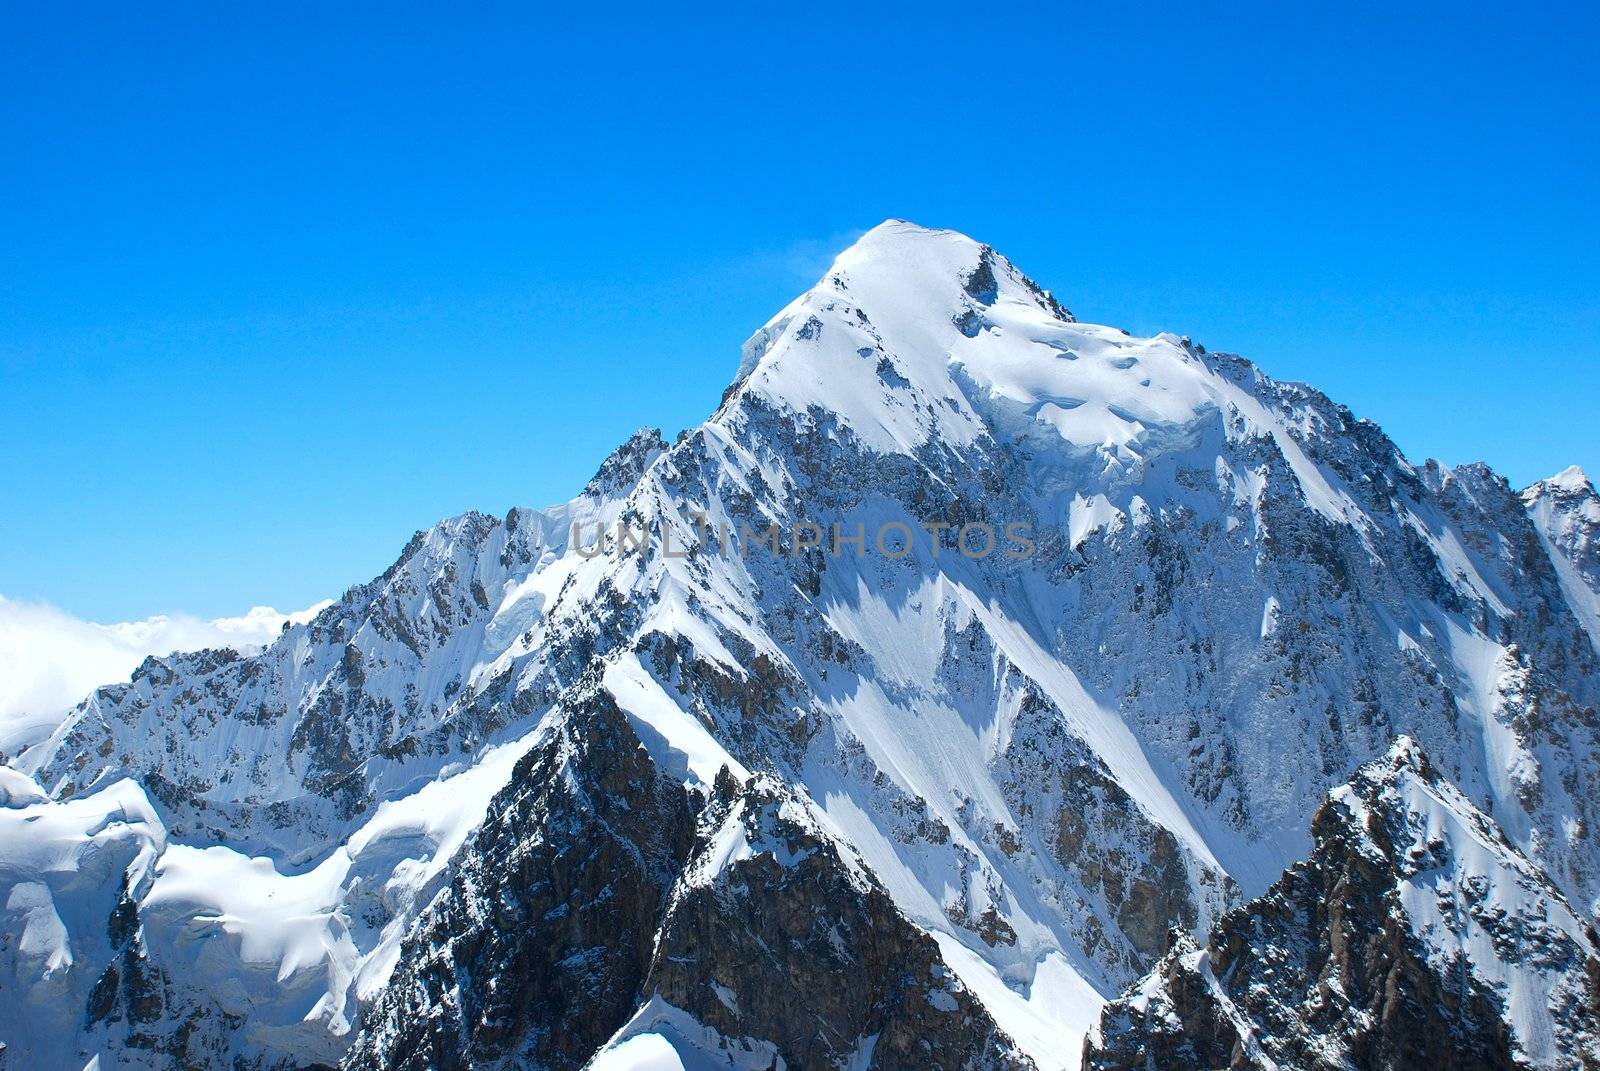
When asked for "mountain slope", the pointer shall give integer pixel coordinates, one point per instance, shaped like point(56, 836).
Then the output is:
point(1566, 512)
point(1414, 935)
point(1207, 598)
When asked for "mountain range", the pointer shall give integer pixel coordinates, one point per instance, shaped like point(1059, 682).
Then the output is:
point(974, 688)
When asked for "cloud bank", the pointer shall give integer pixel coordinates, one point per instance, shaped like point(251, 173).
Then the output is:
point(49, 660)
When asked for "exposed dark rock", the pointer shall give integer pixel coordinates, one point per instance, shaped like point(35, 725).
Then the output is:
point(791, 945)
point(535, 954)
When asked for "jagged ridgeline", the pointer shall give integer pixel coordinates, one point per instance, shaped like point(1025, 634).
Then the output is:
point(1245, 743)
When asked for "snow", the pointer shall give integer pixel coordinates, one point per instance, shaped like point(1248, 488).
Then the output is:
point(1482, 664)
point(1090, 515)
point(729, 845)
point(44, 935)
point(62, 867)
point(1566, 513)
point(661, 1037)
point(1047, 1018)
point(17, 789)
point(48, 838)
point(408, 843)
point(1584, 600)
point(898, 294)
point(1458, 565)
point(295, 928)
point(288, 929)
point(681, 743)
point(1573, 478)
point(1101, 727)
point(1269, 617)
point(642, 1052)
point(289, 958)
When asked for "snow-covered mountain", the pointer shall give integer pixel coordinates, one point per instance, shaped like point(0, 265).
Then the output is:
point(968, 665)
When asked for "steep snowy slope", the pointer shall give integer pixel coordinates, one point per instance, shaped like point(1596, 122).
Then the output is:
point(1015, 641)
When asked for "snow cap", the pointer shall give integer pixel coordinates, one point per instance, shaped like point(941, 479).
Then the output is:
point(1572, 478)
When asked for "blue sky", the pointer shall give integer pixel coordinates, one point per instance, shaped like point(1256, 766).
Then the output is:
point(282, 285)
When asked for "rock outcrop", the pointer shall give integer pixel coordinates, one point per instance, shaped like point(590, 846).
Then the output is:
point(1415, 936)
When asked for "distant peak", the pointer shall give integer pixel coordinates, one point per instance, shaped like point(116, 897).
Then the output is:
point(1570, 481)
point(1405, 754)
point(1571, 478)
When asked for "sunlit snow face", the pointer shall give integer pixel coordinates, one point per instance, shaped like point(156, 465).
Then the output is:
point(954, 338)
point(916, 337)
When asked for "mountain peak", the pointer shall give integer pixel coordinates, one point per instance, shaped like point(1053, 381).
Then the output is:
point(895, 229)
point(1406, 754)
point(1570, 482)
point(1569, 492)
point(1572, 478)
point(623, 467)
point(917, 335)
point(895, 238)
point(898, 252)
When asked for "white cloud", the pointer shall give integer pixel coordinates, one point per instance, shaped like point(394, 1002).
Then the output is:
point(49, 660)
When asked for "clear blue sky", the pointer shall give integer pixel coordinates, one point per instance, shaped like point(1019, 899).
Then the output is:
point(279, 286)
